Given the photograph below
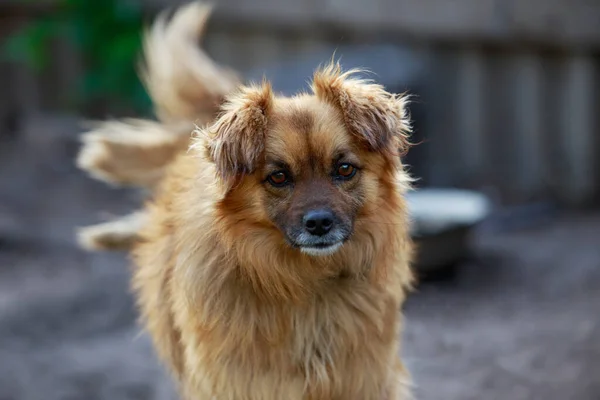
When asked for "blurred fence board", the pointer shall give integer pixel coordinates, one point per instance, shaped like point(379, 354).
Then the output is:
point(578, 124)
point(526, 82)
point(470, 122)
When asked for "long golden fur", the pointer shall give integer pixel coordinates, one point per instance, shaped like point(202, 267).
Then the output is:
point(237, 301)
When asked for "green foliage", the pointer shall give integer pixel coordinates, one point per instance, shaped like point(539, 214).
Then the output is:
point(107, 34)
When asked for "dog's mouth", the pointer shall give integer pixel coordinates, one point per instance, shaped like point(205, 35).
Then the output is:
point(321, 249)
point(319, 246)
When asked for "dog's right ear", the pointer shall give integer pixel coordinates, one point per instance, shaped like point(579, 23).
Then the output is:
point(235, 142)
point(376, 117)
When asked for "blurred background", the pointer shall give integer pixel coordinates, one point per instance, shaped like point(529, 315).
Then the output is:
point(507, 124)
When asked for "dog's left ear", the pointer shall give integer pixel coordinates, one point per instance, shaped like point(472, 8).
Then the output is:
point(378, 118)
point(235, 142)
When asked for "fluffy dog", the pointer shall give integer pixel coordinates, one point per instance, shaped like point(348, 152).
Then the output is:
point(273, 258)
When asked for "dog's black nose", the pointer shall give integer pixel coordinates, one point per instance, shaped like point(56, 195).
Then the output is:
point(318, 222)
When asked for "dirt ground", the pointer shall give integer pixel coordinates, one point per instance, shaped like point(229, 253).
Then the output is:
point(519, 320)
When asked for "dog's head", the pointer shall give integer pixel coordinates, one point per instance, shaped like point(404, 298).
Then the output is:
point(311, 166)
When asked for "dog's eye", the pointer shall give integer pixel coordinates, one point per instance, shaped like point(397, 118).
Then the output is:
point(279, 178)
point(346, 171)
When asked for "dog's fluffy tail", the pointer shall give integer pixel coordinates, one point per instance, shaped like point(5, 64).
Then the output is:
point(118, 234)
point(132, 152)
point(186, 88)
point(182, 80)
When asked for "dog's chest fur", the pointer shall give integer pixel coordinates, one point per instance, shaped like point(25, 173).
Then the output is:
point(316, 350)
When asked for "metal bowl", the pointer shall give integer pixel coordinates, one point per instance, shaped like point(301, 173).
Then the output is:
point(441, 220)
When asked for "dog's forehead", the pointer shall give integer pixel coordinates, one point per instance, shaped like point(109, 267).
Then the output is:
point(303, 128)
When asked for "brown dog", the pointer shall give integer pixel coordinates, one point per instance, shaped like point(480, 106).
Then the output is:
point(273, 259)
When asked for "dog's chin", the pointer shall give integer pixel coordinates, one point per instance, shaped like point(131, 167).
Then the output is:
point(321, 250)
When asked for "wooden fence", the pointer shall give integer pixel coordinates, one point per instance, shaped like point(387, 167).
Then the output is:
point(513, 85)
